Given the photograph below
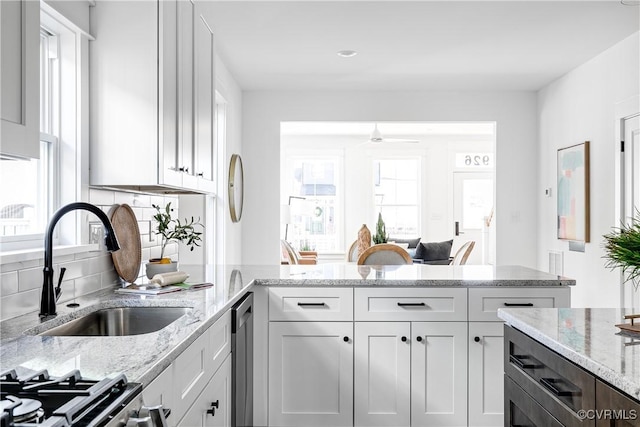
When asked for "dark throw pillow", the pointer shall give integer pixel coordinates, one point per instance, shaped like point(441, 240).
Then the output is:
point(413, 243)
point(434, 250)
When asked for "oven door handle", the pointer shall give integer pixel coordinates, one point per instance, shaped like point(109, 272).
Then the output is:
point(157, 415)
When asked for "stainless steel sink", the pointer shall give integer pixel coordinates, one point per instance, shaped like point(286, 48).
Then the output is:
point(120, 321)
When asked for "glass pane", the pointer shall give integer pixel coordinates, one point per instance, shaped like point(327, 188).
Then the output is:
point(22, 210)
point(396, 191)
point(312, 224)
point(477, 200)
point(400, 221)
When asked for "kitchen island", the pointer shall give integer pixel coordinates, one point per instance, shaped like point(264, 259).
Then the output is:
point(569, 363)
point(143, 358)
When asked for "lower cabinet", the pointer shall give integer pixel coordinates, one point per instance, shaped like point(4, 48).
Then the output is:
point(311, 374)
point(212, 408)
point(410, 373)
point(403, 357)
point(486, 366)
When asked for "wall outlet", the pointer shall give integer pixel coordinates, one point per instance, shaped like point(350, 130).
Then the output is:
point(96, 233)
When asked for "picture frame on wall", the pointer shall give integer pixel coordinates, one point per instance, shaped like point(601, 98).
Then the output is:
point(573, 193)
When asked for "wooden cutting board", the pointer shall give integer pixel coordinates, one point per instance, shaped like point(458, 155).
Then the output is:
point(127, 260)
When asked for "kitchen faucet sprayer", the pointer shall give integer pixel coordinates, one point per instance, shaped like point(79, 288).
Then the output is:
point(49, 294)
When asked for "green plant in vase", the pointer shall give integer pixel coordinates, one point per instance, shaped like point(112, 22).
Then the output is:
point(381, 235)
point(170, 229)
point(622, 248)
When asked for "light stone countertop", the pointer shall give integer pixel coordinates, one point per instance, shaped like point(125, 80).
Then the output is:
point(142, 357)
point(586, 336)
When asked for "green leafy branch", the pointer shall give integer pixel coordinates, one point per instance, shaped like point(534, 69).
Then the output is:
point(174, 230)
point(622, 248)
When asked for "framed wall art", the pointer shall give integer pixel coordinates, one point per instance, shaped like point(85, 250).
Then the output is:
point(573, 193)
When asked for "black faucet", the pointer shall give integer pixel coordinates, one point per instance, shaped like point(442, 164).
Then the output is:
point(49, 294)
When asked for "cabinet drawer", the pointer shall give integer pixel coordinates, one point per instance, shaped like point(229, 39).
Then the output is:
point(220, 341)
point(311, 304)
point(409, 304)
point(485, 302)
point(555, 383)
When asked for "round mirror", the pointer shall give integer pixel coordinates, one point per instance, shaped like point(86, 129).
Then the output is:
point(236, 187)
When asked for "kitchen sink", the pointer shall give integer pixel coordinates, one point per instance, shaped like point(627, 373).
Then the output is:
point(120, 321)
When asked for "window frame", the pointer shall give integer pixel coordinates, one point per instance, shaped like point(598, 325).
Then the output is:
point(418, 159)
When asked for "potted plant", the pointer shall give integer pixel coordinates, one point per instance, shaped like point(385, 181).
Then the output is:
point(170, 229)
point(381, 235)
point(622, 248)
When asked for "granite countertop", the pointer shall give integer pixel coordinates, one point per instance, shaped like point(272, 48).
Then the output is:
point(588, 337)
point(142, 357)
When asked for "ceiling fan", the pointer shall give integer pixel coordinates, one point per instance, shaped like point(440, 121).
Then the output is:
point(377, 138)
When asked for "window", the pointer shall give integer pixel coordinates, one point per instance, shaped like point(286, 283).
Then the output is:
point(25, 208)
point(313, 192)
point(397, 195)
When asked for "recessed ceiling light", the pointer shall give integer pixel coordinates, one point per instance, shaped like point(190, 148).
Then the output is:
point(347, 53)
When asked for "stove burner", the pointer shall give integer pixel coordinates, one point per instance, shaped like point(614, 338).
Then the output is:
point(69, 400)
point(27, 410)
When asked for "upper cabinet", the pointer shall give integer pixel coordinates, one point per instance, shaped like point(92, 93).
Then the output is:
point(19, 78)
point(152, 94)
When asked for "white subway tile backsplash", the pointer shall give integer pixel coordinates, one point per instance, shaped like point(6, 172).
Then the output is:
point(100, 264)
point(13, 266)
point(31, 278)
point(122, 198)
point(20, 303)
point(76, 269)
point(68, 291)
point(64, 258)
point(88, 284)
point(101, 197)
point(141, 200)
point(110, 279)
point(8, 283)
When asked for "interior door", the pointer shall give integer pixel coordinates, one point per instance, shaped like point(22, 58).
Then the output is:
point(631, 189)
point(472, 203)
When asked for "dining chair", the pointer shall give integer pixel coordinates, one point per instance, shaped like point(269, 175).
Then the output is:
point(384, 254)
point(461, 256)
point(352, 253)
point(291, 256)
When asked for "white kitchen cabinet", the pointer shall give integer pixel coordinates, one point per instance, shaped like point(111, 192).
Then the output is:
point(310, 374)
point(486, 344)
point(20, 78)
point(486, 369)
point(213, 406)
point(382, 374)
point(160, 392)
point(146, 75)
point(438, 373)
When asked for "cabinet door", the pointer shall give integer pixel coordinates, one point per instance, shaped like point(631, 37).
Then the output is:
point(160, 392)
point(310, 374)
point(618, 410)
point(213, 407)
point(439, 373)
point(382, 373)
point(204, 96)
point(19, 77)
point(486, 369)
point(186, 22)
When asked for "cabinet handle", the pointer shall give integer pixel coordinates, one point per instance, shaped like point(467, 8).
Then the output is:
point(476, 339)
point(214, 406)
point(517, 360)
point(200, 174)
point(311, 304)
point(184, 169)
point(345, 339)
point(515, 304)
point(404, 339)
point(411, 304)
point(419, 338)
point(550, 384)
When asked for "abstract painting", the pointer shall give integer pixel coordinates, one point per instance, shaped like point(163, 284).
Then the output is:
point(573, 193)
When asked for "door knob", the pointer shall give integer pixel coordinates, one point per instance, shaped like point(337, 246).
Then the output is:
point(419, 338)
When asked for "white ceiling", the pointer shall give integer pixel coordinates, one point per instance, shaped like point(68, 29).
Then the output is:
point(414, 45)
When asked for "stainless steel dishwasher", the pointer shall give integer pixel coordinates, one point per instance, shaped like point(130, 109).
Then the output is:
point(242, 362)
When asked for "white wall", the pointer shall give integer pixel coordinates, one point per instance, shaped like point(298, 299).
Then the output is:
point(516, 166)
point(580, 107)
